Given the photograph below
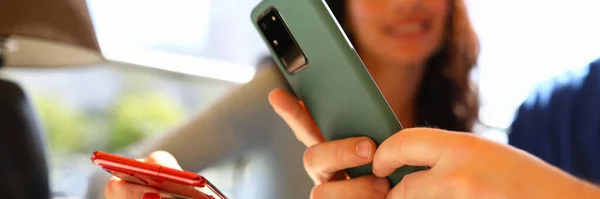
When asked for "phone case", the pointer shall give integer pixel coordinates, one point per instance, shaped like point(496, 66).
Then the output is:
point(334, 85)
point(182, 184)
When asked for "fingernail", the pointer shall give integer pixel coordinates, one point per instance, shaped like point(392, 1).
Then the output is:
point(381, 185)
point(151, 196)
point(363, 148)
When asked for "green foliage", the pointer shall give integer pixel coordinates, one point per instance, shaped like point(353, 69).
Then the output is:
point(64, 125)
point(136, 116)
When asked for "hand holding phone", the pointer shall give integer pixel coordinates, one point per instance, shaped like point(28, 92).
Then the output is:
point(177, 183)
point(326, 73)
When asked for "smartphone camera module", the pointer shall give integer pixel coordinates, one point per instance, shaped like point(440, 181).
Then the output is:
point(281, 41)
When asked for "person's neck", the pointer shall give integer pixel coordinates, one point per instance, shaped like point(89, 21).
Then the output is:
point(399, 85)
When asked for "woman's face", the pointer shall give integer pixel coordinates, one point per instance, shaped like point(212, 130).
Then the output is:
point(397, 31)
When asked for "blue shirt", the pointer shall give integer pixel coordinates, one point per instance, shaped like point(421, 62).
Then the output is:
point(560, 123)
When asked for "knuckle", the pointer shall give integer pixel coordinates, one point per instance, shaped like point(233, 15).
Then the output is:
point(461, 186)
point(308, 157)
point(395, 143)
point(340, 153)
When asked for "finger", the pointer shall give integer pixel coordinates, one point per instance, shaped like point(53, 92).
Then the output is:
point(325, 159)
point(291, 110)
point(163, 158)
point(361, 187)
point(414, 185)
point(118, 189)
point(416, 147)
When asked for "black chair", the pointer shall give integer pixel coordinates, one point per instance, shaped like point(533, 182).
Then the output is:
point(23, 168)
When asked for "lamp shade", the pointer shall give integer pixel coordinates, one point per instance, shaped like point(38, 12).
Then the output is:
point(47, 33)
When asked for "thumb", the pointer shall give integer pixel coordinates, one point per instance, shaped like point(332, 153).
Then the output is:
point(417, 147)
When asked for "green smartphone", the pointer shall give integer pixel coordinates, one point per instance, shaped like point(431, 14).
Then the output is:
point(325, 72)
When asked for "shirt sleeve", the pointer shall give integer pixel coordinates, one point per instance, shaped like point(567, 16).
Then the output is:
point(529, 123)
point(544, 124)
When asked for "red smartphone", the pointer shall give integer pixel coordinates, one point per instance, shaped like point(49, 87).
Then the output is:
point(182, 184)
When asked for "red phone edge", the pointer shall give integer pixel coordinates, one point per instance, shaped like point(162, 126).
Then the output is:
point(110, 161)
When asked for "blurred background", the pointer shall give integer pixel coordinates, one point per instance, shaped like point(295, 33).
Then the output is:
point(148, 87)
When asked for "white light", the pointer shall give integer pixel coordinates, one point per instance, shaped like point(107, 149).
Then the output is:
point(185, 64)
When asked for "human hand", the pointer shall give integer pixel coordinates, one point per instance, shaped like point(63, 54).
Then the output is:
point(325, 161)
point(466, 166)
point(121, 189)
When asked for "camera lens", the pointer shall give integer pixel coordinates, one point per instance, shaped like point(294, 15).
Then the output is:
point(280, 40)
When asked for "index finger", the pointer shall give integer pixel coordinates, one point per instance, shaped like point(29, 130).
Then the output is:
point(163, 158)
point(292, 111)
point(416, 147)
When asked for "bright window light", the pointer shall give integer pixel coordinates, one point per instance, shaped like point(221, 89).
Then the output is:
point(168, 35)
point(185, 64)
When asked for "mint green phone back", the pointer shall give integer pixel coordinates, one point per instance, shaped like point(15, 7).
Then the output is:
point(335, 86)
